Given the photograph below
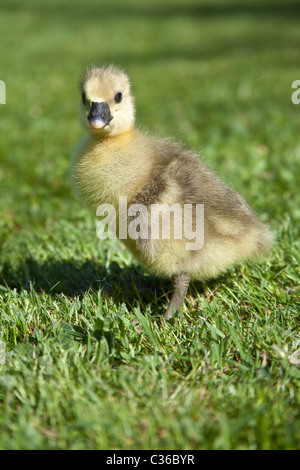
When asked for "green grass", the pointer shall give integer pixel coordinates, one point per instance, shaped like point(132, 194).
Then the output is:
point(78, 375)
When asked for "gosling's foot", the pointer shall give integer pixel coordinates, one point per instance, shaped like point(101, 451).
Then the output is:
point(180, 284)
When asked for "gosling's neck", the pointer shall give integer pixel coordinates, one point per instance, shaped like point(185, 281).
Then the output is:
point(114, 139)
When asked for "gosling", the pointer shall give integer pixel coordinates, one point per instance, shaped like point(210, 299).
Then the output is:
point(166, 188)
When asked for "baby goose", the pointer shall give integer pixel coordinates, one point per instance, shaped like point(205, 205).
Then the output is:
point(117, 162)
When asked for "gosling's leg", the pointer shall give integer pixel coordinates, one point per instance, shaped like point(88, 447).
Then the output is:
point(180, 284)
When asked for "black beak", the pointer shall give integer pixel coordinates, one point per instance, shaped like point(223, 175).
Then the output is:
point(99, 115)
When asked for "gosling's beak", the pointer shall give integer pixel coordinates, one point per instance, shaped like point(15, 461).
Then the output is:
point(99, 115)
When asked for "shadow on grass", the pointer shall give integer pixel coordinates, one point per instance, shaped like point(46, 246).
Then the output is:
point(129, 284)
point(74, 278)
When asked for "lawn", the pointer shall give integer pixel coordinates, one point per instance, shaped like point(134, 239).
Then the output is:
point(76, 373)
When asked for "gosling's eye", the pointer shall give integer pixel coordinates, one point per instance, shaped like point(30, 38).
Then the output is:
point(83, 97)
point(118, 97)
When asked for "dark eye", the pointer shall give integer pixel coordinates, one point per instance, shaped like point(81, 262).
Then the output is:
point(118, 97)
point(83, 97)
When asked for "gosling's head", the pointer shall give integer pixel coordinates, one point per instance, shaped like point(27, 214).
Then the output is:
point(107, 105)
